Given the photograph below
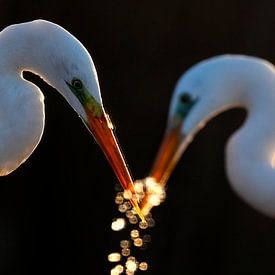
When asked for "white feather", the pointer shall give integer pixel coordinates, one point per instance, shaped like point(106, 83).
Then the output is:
point(232, 81)
point(46, 49)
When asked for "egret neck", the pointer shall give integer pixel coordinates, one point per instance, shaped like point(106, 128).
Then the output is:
point(48, 50)
point(214, 86)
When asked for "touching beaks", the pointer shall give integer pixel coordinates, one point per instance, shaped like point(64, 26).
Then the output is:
point(101, 128)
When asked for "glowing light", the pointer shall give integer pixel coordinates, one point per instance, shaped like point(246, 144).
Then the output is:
point(125, 252)
point(114, 257)
point(119, 194)
point(134, 234)
point(155, 194)
point(134, 211)
point(154, 200)
point(118, 224)
point(131, 266)
point(155, 190)
point(133, 220)
point(138, 242)
point(129, 214)
point(139, 186)
point(124, 244)
point(143, 225)
point(128, 205)
point(119, 268)
point(273, 161)
point(119, 200)
point(122, 208)
point(114, 272)
point(131, 258)
point(143, 266)
point(127, 194)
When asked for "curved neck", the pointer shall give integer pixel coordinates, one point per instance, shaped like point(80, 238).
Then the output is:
point(22, 47)
point(251, 149)
point(42, 48)
point(258, 131)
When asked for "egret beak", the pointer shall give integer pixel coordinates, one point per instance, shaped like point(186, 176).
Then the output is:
point(171, 149)
point(168, 155)
point(174, 142)
point(100, 125)
point(101, 128)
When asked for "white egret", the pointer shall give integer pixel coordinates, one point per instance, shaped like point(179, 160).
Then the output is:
point(209, 88)
point(48, 50)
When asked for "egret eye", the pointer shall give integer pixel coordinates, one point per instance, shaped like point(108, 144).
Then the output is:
point(185, 98)
point(77, 84)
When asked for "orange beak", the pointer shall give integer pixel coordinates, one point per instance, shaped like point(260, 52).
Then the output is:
point(102, 130)
point(168, 155)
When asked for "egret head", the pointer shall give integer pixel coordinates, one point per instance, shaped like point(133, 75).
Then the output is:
point(202, 92)
point(63, 62)
point(74, 76)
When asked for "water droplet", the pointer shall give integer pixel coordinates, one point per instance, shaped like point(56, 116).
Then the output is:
point(114, 272)
point(125, 252)
point(119, 268)
point(143, 224)
point(128, 205)
point(122, 208)
point(131, 266)
point(139, 186)
point(143, 266)
point(119, 200)
point(124, 244)
point(118, 224)
point(134, 233)
point(129, 214)
point(131, 258)
point(133, 220)
point(114, 257)
point(127, 194)
point(138, 242)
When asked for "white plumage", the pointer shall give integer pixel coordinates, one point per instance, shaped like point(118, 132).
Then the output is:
point(47, 49)
point(211, 87)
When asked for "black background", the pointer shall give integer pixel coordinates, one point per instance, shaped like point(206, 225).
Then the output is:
point(55, 210)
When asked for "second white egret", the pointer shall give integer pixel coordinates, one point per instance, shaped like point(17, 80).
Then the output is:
point(209, 88)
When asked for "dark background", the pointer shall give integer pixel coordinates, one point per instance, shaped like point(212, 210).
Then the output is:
point(56, 210)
